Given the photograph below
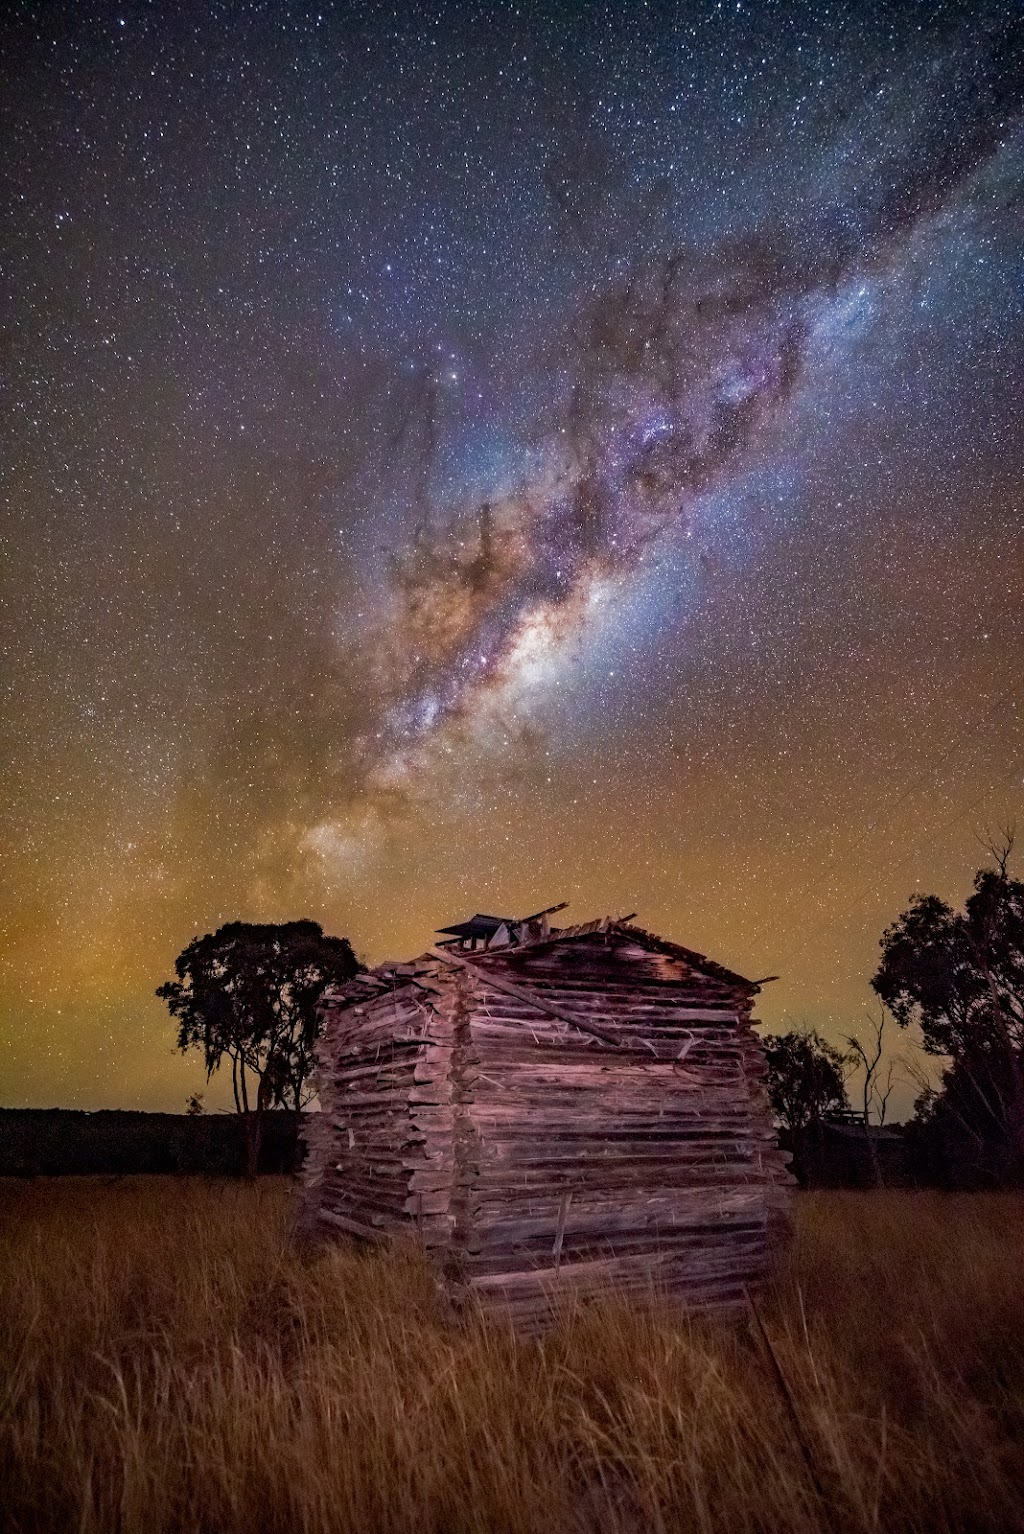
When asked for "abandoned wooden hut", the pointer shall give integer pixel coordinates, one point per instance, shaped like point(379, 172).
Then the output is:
point(551, 1111)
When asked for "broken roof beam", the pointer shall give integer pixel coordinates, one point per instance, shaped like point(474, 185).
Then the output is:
point(547, 911)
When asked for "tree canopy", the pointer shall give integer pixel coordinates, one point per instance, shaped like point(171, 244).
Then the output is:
point(805, 1078)
point(248, 993)
point(959, 976)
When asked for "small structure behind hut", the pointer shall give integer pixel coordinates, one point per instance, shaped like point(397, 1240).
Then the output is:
point(552, 1111)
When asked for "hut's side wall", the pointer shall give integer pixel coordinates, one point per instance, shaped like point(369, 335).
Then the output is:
point(379, 1153)
point(595, 1167)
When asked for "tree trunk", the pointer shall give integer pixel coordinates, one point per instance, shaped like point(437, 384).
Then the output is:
point(873, 1163)
point(254, 1127)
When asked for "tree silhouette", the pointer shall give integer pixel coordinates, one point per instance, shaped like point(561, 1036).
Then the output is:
point(959, 975)
point(805, 1078)
point(876, 1087)
point(248, 993)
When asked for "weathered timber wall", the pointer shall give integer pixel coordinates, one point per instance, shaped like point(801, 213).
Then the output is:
point(634, 1164)
point(380, 1152)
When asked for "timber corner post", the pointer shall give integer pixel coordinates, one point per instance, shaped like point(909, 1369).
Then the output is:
point(465, 1146)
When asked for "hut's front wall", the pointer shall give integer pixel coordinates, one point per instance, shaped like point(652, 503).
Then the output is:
point(536, 1158)
point(605, 1166)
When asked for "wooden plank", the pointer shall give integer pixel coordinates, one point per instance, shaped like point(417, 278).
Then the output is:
point(350, 1226)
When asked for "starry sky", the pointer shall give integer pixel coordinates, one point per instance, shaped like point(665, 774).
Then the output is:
point(479, 456)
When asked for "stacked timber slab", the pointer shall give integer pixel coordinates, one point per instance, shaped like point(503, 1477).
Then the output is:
point(575, 1112)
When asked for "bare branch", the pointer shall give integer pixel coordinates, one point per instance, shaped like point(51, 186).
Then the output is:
point(999, 845)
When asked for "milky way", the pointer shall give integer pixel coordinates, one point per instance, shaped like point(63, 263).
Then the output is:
point(672, 376)
point(479, 456)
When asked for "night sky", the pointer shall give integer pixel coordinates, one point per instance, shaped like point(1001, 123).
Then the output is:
point(478, 457)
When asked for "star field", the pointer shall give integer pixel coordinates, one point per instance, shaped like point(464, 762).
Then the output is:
point(472, 457)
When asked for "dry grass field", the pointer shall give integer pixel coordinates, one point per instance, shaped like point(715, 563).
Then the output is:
point(168, 1364)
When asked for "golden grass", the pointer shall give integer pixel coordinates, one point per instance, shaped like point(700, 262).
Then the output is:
point(168, 1363)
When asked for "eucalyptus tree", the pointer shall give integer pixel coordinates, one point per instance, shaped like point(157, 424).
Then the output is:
point(247, 994)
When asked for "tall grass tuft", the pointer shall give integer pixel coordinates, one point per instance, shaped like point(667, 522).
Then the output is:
point(169, 1363)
